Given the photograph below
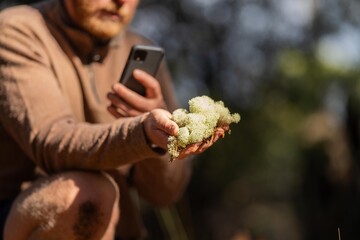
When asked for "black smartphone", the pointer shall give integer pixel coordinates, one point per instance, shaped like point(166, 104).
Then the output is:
point(143, 57)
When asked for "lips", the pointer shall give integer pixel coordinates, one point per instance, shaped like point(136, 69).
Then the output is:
point(111, 15)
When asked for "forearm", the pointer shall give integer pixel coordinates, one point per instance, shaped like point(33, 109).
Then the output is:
point(90, 146)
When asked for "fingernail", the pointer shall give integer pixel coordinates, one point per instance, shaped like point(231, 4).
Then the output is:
point(114, 86)
point(174, 129)
point(136, 72)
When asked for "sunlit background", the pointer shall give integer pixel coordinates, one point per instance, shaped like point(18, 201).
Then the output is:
point(290, 168)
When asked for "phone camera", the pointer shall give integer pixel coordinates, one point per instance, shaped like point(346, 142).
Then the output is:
point(140, 55)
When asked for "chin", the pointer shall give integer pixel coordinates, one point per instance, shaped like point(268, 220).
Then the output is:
point(104, 35)
point(104, 31)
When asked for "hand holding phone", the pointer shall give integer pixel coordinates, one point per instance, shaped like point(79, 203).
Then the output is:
point(126, 103)
point(143, 57)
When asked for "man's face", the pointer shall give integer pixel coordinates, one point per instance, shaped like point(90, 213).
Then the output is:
point(102, 18)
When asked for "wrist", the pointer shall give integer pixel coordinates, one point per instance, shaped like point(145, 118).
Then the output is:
point(152, 145)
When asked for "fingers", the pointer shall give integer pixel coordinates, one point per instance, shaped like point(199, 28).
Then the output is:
point(125, 97)
point(219, 132)
point(152, 99)
point(204, 146)
point(225, 128)
point(114, 112)
point(158, 126)
point(119, 108)
point(150, 83)
point(164, 122)
point(189, 150)
point(197, 148)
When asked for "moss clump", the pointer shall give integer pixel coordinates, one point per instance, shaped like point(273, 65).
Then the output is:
point(198, 124)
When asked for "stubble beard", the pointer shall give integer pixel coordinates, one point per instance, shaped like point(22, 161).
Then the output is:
point(100, 27)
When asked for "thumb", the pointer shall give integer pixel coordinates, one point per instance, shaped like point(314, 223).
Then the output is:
point(166, 124)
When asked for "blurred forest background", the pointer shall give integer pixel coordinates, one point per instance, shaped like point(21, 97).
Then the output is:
point(290, 168)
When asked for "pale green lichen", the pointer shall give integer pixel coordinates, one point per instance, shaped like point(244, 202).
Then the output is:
point(198, 124)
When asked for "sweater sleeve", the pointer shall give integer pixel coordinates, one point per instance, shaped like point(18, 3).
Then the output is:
point(36, 115)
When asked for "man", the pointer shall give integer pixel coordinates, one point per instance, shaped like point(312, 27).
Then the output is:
point(73, 141)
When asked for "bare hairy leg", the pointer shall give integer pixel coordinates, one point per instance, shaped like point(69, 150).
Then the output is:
point(66, 206)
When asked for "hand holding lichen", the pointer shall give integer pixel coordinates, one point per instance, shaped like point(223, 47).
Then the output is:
point(199, 123)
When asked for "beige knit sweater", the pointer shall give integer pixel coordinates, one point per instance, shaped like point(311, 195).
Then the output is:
point(53, 84)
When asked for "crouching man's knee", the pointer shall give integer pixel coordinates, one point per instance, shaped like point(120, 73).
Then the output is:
point(72, 205)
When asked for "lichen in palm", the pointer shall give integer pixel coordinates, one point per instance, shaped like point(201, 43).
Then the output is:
point(199, 123)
